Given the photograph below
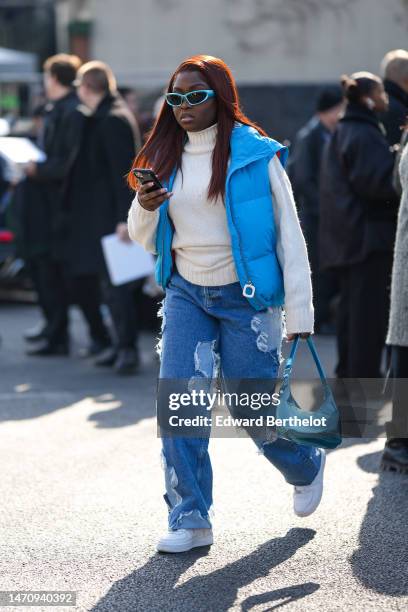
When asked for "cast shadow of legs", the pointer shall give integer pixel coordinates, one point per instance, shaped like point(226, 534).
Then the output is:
point(153, 586)
point(287, 594)
point(380, 563)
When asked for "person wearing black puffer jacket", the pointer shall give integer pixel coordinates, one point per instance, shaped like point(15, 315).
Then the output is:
point(358, 224)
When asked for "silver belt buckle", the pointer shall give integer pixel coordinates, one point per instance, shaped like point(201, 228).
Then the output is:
point(248, 290)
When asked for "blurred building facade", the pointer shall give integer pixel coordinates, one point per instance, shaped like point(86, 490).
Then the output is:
point(27, 37)
point(281, 51)
point(28, 25)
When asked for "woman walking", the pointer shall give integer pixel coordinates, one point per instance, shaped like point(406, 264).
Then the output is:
point(358, 222)
point(230, 255)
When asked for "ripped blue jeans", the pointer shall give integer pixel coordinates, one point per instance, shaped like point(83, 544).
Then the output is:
point(209, 332)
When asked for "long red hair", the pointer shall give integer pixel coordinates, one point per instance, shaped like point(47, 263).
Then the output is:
point(163, 150)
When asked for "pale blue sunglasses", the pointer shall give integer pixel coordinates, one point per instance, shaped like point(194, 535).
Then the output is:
point(192, 97)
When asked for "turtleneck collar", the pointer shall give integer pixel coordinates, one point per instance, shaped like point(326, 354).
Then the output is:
point(203, 141)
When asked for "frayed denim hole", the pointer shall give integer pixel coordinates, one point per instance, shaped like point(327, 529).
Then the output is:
point(190, 513)
point(161, 315)
point(171, 481)
point(206, 365)
point(268, 327)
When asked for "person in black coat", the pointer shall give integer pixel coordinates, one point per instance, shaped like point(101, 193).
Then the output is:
point(305, 176)
point(395, 70)
point(358, 223)
point(40, 197)
point(98, 201)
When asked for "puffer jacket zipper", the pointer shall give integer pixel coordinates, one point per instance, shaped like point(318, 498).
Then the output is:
point(248, 282)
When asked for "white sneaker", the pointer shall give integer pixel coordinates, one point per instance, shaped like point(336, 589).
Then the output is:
point(182, 540)
point(307, 498)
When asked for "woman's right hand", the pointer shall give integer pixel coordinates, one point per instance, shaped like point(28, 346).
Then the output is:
point(151, 201)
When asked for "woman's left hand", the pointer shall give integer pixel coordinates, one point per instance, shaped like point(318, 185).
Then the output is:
point(291, 337)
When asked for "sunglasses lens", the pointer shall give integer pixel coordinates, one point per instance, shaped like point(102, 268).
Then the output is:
point(196, 97)
point(173, 99)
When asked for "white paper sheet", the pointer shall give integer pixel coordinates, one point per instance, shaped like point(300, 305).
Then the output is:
point(126, 261)
point(20, 150)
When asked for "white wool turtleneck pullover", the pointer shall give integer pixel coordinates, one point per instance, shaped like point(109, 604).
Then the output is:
point(201, 240)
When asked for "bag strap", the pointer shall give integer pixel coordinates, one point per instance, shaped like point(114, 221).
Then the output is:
point(289, 362)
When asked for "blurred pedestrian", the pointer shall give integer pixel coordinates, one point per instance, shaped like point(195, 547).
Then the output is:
point(158, 105)
point(305, 175)
point(395, 72)
point(4, 180)
point(144, 120)
point(41, 197)
point(98, 202)
point(358, 222)
point(395, 456)
point(230, 254)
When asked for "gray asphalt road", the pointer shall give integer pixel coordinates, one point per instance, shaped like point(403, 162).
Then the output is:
point(81, 505)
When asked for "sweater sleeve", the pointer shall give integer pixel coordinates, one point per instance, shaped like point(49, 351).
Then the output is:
point(292, 253)
point(142, 225)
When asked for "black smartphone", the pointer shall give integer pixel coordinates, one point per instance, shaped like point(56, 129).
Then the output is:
point(146, 175)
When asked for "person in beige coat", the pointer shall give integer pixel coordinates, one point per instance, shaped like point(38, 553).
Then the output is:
point(395, 456)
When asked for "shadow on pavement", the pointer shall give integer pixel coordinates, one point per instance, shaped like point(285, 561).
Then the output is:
point(129, 412)
point(31, 387)
point(347, 442)
point(130, 406)
point(288, 595)
point(154, 587)
point(380, 563)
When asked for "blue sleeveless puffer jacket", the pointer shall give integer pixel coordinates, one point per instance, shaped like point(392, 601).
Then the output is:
point(248, 204)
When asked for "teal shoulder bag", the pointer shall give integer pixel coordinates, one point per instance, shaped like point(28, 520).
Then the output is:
point(319, 427)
